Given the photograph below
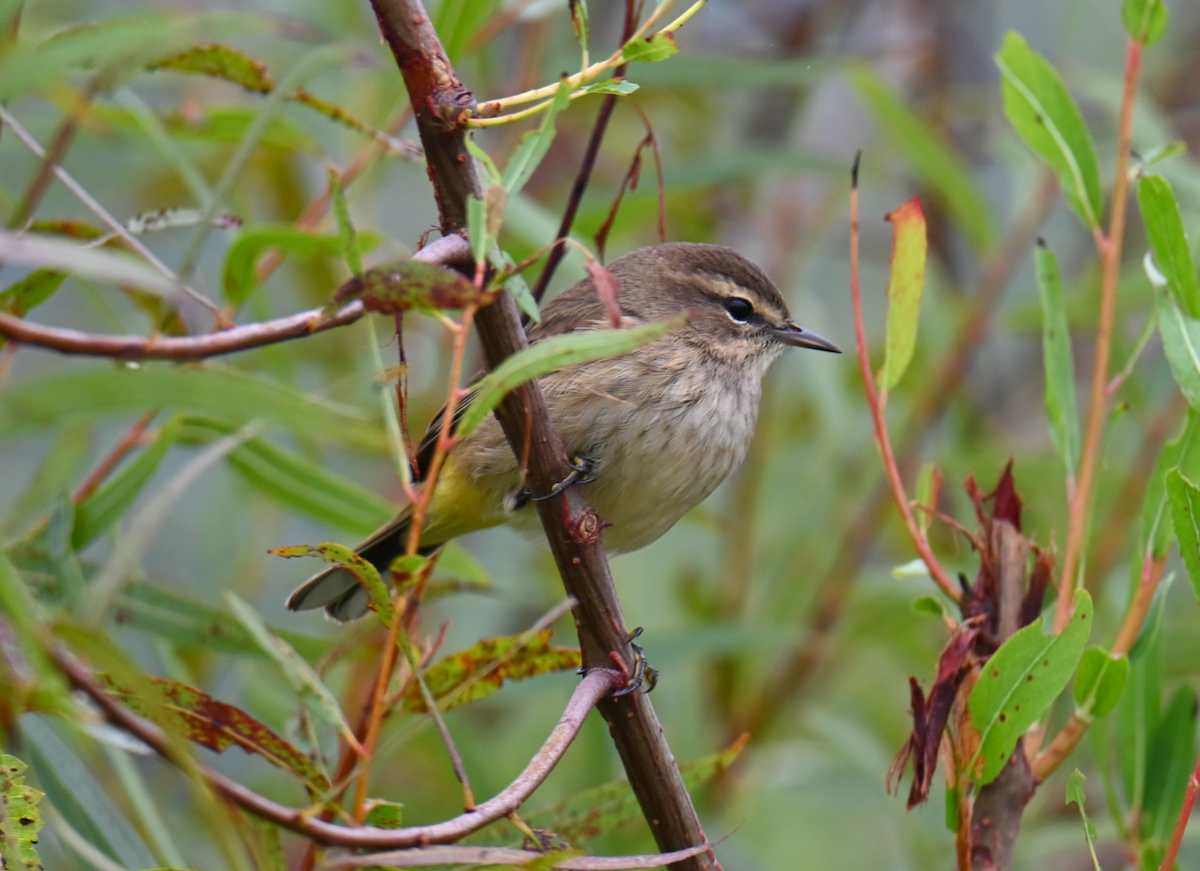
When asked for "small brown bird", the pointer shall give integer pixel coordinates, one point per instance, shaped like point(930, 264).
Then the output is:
point(656, 429)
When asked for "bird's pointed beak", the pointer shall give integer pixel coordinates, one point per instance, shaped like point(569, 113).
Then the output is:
point(798, 337)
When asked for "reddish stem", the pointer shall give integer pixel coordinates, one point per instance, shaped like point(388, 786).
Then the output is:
point(1109, 248)
point(1185, 813)
point(881, 434)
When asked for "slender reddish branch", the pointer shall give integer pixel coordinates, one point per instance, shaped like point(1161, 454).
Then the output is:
point(1185, 814)
point(114, 457)
point(450, 250)
point(1109, 248)
point(492, 856)
point(881, 434)
point(596, 685)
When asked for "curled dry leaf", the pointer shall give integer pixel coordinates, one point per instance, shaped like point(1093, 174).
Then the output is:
point(411, 284)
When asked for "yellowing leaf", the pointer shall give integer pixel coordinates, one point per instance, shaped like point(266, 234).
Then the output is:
point(904, 291)
point(479, 671)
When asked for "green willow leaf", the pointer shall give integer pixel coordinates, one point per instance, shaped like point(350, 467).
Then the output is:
point(1100, 682)
point(1020, 682)
point(1146, 20)
point(534, 144)
point(105, 392)
point(1184, 497)
point(905, 287)
point(1171, 758)
point(1058, 362)
point(78, 796)
point(303, 679)
point(98, 512)
point(300, 484)
point(933, 160)
point(240, 278)
point(1181, 344)
point(1169, 242)
point(1043, 113)
point(556, 353)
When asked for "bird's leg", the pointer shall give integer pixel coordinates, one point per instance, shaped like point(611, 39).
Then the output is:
point(581, 473)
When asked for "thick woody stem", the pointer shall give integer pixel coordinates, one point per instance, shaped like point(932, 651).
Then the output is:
point(997, 810)
point(572, 527)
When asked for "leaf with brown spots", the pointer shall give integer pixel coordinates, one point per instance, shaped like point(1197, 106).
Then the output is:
point(412, 284)
point(197, 716)
point(478, 671)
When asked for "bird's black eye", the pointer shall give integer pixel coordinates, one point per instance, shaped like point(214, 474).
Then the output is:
point(739, 309)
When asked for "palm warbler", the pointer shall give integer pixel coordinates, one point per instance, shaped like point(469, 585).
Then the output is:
point(656, 429)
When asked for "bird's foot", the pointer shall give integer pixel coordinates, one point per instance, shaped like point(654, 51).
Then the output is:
point(581, 473)
point(643, 672)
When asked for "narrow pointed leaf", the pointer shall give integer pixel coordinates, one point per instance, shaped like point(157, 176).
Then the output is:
point(300, 675)
point(1146, 20)
point(300, 484)
point(1169, 242)
point(556, 353)
point(1100, 682)
point(1057, 360)
point(240, 278)
point(1020, 682)
point(217, 725)
point(1181, 344)
point(97, 513)
point(658, 47)
point(480, 670)
point(534, 144)
point(78, 796)
point(379, 599)
point(221, 62)
point(1044, 115)
point(106, 392)
point(1170, 761)
point(1184, 497)
point(904, 290)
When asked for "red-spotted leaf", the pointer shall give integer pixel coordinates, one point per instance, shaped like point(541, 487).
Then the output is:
point(197, 716)
point(1022, 680)
point(478, 671)
point(904, 291)
point(412, 284)
point(379, 600)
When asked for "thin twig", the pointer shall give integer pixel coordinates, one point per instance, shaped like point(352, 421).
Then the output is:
point(109, 221)
point(60, 143)
point(1109, 248)
point(584, 175)
point(881, 434)
point(114, 457)
point(450, 250)
point(596, 685)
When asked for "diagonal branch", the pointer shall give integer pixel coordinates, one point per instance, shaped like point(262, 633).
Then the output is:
point(450, 250)
point(598, 684)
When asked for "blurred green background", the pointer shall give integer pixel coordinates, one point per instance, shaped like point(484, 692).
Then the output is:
point(792, 563)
